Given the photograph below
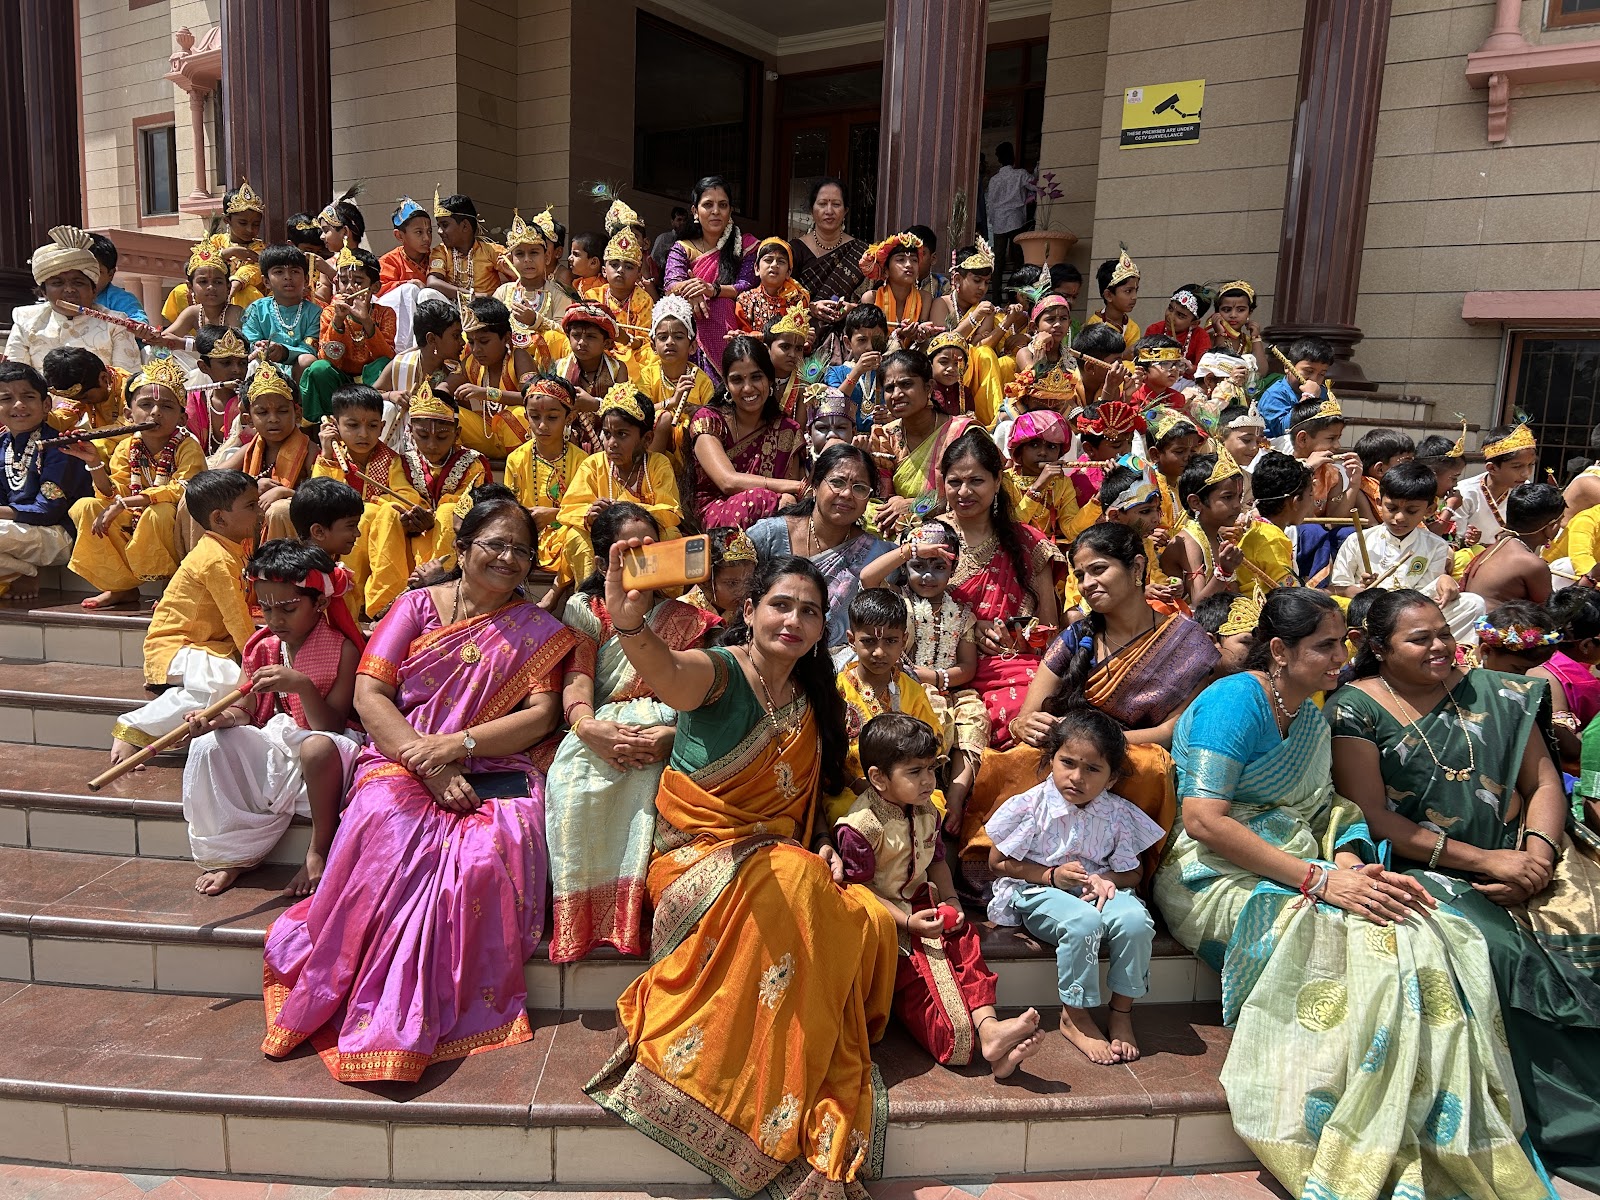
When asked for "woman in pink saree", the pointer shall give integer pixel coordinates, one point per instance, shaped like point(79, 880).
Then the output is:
point(709, 266)
point(410, 952)
point(744, 455)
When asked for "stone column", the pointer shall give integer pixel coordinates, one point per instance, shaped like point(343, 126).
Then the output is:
point(275, 84)
point(933, 52)
point(50, 76)
point(16, 230)
point(1330, 177)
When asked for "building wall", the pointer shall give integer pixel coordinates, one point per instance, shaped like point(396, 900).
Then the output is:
point(1212, 210)
point(123, 55)
point(544, 105)
point(1451, 214)
point(1074, 93)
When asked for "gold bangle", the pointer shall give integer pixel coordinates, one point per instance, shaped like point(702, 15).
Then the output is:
point(578, 724)
point(1543, 837)
point(1438, 851)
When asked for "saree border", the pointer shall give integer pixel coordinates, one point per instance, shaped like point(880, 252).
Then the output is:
point(691, 895)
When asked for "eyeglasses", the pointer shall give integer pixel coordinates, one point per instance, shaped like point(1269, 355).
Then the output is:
point(496, 549)
point(842, 483)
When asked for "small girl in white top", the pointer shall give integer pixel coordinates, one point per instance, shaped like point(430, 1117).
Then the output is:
point(1066, 860)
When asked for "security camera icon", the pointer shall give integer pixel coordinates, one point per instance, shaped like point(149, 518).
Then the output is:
point(1170, 104)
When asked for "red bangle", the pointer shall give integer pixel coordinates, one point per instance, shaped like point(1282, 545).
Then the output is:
point(1305, 884)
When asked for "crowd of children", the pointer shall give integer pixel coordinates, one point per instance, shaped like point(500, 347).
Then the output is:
point(298, 444)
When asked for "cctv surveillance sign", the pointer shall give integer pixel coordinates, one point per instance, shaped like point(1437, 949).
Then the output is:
point(1162, 114)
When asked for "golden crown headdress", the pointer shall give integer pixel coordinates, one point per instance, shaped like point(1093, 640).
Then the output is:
point(1520, 438)
point(439, 210)
point(230, 345)
point(268, 382)
point(347, 258)
point(1328, 408)
point(1244, 614)
point(205, 254)
point(981, 259)
point(1158, 354)
point(427, 406)
point(624, 246)
point(1126, 269)
point(540, 232)
point(166, 373)
point(1238, 285)
point(619, 217)
point(244, 200)
point(739, 549)
point(796, 320)
point(329, 216)
point(947, 340)
point(1058, 384)
point(1459, 450)
point(470, 322)
point(1226, 468)
point(623, 398)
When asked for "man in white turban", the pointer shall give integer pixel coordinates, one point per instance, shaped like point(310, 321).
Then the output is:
point(69, 276)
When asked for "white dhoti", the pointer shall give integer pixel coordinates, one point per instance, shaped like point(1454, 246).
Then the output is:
point(26, 548)
point(403, 300)
point(197, 679)
point(243, 786)
point(1463, 613)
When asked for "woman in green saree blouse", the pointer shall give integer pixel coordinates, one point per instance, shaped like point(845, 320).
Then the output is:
point(1366, 1061)
point(1450, 768)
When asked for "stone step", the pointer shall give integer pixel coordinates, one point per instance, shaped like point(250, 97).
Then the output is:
point(55, 627)
point(137, 924)
point(167, 1084)
point(45, 803)
point(65, 704)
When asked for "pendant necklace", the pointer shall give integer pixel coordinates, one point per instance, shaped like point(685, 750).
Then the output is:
point(469, 652)
point(1453, 774)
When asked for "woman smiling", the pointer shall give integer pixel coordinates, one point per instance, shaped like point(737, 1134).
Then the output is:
point(709, 266)
point(745, 457)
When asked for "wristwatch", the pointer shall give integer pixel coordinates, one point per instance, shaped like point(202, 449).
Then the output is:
point(468, 742)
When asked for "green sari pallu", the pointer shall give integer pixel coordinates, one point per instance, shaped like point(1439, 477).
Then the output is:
point(1367, 1061)
point(1544, 955)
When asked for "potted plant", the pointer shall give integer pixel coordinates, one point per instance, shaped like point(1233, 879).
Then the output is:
point(1044, 246)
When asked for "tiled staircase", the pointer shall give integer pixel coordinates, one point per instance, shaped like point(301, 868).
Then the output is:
point(131, 1015)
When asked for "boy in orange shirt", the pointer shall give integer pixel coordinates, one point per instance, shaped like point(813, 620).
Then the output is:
point(356, 338)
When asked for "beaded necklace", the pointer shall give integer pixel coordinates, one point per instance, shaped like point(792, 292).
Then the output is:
point(289, 329)
point(18, 466)
point(1454, 774)
point(557, 474)
point(145, 471)
point(934, 651)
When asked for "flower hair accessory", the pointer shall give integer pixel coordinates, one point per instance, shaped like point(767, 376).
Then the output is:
point(622, 398)
point(675, 307)
point(876, 260)
point(1514, 637)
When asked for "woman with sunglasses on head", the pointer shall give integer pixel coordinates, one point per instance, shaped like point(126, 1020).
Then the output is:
point(411, 950)
point(826, 528)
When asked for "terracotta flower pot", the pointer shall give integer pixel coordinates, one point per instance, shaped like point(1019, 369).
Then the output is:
point(1045, 247)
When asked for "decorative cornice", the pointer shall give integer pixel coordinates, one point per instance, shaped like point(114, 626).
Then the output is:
point(197, 66)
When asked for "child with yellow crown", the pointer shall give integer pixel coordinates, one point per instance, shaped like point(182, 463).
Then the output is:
point(127, 531)
point(622, 296)
point(672, 382)
point(776, 292)
point(623, 469)
point(533, 298)
point(1510, 457)
point(207, 275)
point(787, 337)
point(1118, 282)
point(442, 472)
point(539, 470)
point(488, 388)
point(353, 452)
point(356, 337)
point(239, 244)
point(1205, 553)
point(278, 455)
point(464, 262)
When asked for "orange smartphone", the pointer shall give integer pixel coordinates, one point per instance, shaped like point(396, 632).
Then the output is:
point(668, 564)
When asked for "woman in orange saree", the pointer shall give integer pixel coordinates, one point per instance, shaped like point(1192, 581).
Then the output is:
point(746, 1045)
point(1137, 665)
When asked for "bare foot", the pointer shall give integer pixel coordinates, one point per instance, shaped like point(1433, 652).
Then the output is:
point(23, 587)
point(1078, 1027)
point(307, 877)
point(1006, 1044)
point(1119, 1028)
point(109, 599)
point(214, 883)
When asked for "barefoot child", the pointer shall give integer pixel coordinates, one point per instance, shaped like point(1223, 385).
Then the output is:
point(283, 750)
point(127, 531)
point(944, 991)
point(202, 621)
point(539, 470)
point(1066, 860)
point(37, 487)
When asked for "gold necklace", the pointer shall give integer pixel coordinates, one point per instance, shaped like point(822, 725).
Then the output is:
point(1454, 774)
point(767, 701)
point(469, 652)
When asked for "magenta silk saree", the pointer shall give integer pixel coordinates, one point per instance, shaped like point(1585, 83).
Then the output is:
point(411, 950)
point(713, 319)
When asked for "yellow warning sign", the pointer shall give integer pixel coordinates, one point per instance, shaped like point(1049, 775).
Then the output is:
point(1162, 114)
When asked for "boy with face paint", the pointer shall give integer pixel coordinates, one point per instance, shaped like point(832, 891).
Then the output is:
point(69, 276)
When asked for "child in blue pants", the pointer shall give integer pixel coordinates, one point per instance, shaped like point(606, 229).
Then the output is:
point(1066, 861)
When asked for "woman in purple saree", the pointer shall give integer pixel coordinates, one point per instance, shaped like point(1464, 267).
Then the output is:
point(709, 266)
point(411, 950)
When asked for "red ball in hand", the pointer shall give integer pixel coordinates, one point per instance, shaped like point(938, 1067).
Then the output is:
point(950, 916)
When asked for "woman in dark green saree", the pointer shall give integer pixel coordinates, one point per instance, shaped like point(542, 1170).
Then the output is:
point(1449, 767)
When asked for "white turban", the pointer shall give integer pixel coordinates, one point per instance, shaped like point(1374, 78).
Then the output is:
point(68, 250)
